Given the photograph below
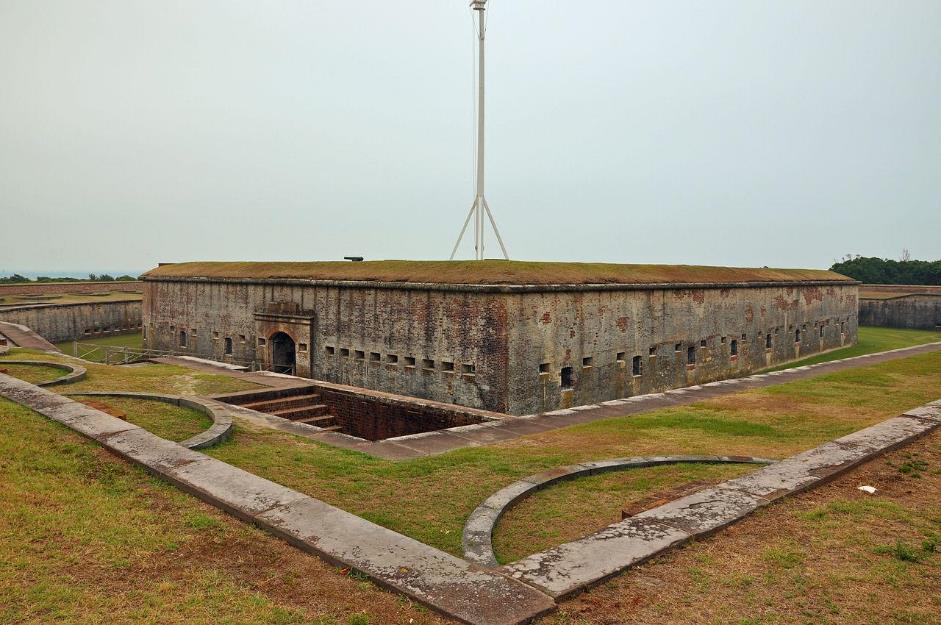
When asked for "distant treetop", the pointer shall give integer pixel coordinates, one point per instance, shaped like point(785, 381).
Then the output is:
point(872, 270)
point(17, 279)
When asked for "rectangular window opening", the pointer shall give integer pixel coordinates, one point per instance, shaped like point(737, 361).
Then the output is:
point(566, 377)
point(733, 348)
point(447, 366)
point(467, 369)
point(261, 342)
point(702, 343)
point(678, 347)
point(652, 351)
point(427, 363)
point(409, 361)
point(302, 347)
point(241, 338)
point(586, 361)
point(345, 352)
point(330, 349)
point(392, 358)
point(636, 365)
point(544, 367)
point(722, 340)
point(374, 357)
point(228, 346)
point(620, 357)
point(360, 354)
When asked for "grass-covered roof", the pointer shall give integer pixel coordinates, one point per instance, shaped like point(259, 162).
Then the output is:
point(488, 272)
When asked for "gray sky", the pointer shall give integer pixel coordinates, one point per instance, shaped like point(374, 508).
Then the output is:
point(782, 133)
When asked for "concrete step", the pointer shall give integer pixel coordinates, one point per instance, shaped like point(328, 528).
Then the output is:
point(295, 414)
point(284, 403)
point(253, 397)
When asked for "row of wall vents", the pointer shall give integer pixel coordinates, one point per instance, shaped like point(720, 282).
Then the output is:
point(428, 364)
point(117, 328)
point(566, 374)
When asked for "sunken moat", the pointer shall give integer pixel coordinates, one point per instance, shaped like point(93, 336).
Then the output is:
point(356, 412)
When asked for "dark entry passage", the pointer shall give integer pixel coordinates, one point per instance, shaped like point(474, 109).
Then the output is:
point(282, 353)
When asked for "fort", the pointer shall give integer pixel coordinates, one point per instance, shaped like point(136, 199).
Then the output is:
point(68, 311)
point(900, 306)
point(503, 336)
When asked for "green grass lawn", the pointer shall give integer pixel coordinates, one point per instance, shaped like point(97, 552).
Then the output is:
point(86, 539)
point(870, 341)
point(133, 340)
point(159, 378)
point(430, 498)
point(175, 423)
point(34, 374)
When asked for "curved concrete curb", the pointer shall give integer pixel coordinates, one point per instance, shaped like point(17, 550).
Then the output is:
point(571, 567)
point(478, 531)
point(75, 372)
point(219, 431)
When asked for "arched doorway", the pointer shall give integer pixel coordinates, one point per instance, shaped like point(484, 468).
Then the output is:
point(282, 353)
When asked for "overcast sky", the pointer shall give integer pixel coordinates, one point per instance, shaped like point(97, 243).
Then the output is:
point(783, 133)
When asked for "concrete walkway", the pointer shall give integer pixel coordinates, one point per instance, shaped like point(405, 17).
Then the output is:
point(469, 593)
point(571, 567)
point(21, 336)
point(256, 377)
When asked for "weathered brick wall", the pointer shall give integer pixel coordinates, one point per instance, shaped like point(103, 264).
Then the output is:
point(451, 336)
point(909, 311)
point(483, 347)
point(562, 329)
point(52, 288)
point(373, 418)
point(67, 322)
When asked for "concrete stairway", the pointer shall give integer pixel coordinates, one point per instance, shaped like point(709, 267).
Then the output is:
point(300, 404)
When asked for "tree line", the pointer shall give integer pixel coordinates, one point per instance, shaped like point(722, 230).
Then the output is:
point(872, 270)
point(92, 277)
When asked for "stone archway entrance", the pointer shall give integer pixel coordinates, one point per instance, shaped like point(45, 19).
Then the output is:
point(283, 356)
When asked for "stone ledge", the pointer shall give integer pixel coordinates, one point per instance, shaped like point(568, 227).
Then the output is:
point(571, 567)
point(220, 430)
point(477, 538)
point(74, 372)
